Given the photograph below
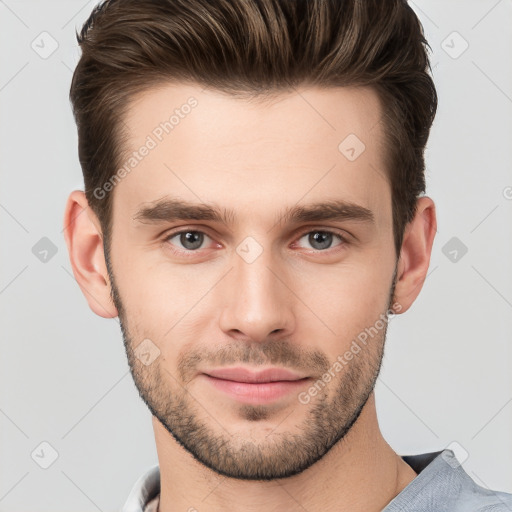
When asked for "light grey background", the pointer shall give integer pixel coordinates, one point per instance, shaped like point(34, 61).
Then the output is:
point(64, 380)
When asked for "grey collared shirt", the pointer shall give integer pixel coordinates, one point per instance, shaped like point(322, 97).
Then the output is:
point(442, 485)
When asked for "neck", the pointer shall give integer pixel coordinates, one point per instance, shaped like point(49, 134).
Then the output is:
point(360, 473)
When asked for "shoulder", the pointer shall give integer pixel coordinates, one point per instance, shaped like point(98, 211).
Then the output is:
point(442, 485)
point(144, 494)
point(480, 499)
point(472, 496)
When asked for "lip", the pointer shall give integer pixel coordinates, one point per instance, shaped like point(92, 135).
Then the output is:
point(240, 374)
point(252, 387)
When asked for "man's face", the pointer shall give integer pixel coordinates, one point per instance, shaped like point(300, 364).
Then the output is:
point(255, 288)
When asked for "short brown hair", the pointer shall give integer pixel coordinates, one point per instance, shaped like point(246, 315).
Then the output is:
point(254, 48)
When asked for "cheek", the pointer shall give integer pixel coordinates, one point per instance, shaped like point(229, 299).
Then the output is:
point(171, 303)
point(161, 299)
point(347, 298)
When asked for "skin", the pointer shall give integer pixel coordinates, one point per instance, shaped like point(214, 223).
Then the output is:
point(298, 305)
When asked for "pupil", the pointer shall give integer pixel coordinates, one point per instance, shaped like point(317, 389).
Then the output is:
point(322, 238)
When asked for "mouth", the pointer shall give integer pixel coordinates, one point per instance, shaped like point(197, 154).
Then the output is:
point(259, 387)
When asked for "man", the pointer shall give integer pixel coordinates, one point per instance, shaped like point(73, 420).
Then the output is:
point(254, 214)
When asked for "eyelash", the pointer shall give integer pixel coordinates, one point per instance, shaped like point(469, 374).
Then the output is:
point(190, 253)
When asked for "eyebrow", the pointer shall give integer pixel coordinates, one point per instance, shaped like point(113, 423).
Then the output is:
point(173, 209)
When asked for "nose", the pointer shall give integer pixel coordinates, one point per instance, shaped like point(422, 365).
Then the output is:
point(257, 301)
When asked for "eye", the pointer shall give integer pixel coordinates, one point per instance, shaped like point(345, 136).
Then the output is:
point(321, 240)
point(190, 240)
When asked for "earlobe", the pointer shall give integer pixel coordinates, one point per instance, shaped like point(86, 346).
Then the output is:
point(84, 241)
point(415, 254)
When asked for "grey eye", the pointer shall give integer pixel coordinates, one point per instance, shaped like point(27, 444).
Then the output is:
point(189, 240)
point(321, 240)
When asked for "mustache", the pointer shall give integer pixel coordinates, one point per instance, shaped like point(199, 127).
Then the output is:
point(276, 353)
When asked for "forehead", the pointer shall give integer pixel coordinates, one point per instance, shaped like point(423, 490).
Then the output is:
point(311, 113)
point(204, 145)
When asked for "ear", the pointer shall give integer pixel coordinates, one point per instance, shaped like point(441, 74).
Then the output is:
point(84, 239)
point(415, 254)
